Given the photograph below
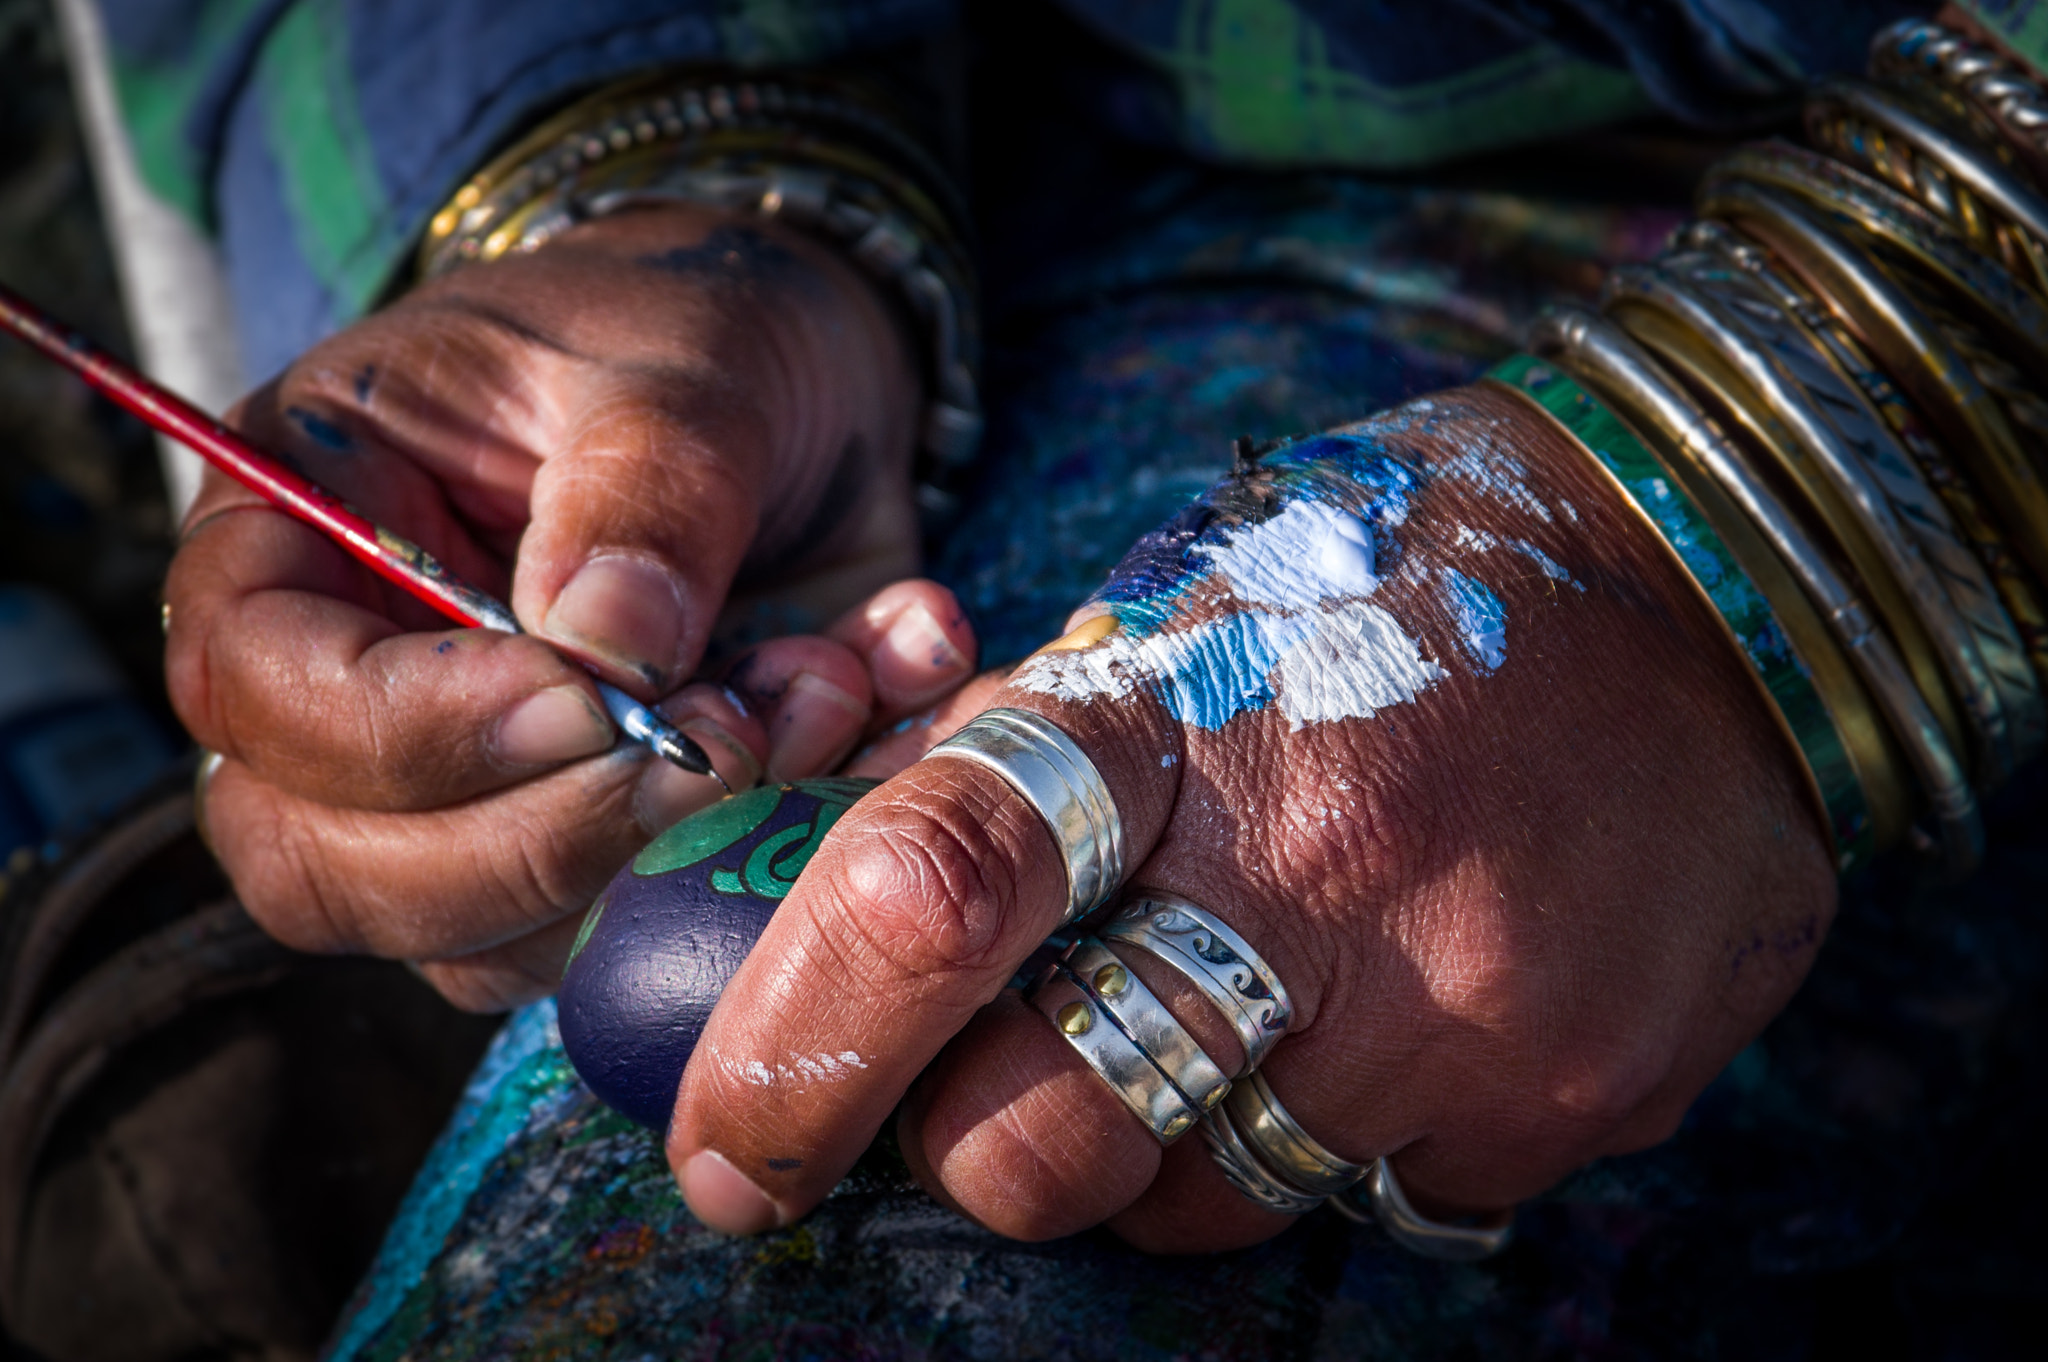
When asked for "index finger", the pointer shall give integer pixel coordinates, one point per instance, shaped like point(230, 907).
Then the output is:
point(918, 909)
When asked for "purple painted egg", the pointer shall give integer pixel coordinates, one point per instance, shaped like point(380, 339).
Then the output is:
point(658, 946)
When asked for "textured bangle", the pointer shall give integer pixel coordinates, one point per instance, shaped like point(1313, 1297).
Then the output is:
point(1901, 464)
point(1695, 440)
point(1915, 346)
point(1835, 780)
point(1962, 181)
point(813, 155)
point(1898, 233)
point(1841, 458)
point(2013, 105)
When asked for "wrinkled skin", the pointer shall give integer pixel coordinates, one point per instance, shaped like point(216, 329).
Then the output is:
point(718, 416)
point(1558, 897)
point(1552, 902)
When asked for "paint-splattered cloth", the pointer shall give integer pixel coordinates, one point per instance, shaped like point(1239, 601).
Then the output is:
point(1858, 1175)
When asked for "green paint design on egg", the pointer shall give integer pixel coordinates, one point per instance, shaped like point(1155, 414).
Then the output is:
point(773, 865)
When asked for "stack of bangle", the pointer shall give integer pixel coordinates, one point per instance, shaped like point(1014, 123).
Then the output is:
point(824, 156)
point(1824, 397)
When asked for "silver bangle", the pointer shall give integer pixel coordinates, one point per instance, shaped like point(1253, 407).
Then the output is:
point(1041, 763)
point(1234, 978)
point(1381, 1200)
point(1826, 419)
point(1828, 362)
point(1616, 358)
point(2016, 105)
point(1147, 1022)
point(1241, 1165)
point(1080, 1018)
point(1940, 172)
point(1291, 1151)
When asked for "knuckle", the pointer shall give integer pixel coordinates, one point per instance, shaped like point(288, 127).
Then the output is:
point(930, 894)
point(1602, 1094)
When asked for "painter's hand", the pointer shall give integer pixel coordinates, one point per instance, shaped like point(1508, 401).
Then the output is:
point(1429, 717)
point(653, 420)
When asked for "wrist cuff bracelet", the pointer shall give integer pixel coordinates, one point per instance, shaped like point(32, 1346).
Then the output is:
point(817, 155)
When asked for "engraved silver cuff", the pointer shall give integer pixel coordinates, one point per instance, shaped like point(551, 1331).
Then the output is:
point(1055, 777)
point(1215, 959)
point(1079, 1016)
point(1147, 1022)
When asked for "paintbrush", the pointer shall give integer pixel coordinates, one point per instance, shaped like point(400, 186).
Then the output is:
point(395, 559)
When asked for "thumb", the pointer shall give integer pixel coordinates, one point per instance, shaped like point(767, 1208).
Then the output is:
point(638, 526)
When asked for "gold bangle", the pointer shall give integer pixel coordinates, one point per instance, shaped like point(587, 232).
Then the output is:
point(1697, 446)
point(1707, 375)
point(1902, 236)
point(1725, 339)
point(1976, 566)
point(2012, 107)
point(1853, 768)
point(622, 126)
point(1988, 203)
point(1893, 325)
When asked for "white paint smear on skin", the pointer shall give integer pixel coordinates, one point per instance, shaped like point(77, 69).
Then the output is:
point(1360, 661)
point(803, 1070)
point(1309, 553)
point(1308, 641)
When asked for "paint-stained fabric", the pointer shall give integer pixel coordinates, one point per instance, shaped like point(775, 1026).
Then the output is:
point(316, 137)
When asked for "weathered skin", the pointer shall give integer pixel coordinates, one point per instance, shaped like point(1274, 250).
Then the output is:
point(1525, 911)
point(718, 414)
point(1525, 916)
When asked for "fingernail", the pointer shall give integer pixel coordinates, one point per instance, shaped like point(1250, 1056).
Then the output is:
point(734, 760)
point(817, 725)
point(556, 724)
point(723, 1197)
point(624, 611)
point(916, 661)
point(667, 794)
point(916, 637)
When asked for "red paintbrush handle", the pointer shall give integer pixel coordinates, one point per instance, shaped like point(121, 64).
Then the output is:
point(398, 560)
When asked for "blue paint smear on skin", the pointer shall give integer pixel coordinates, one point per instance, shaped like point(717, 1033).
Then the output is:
point(1481, 619)
point(320, 430)
point(1221, 668)
point(1351, 471)
point(517, 1086)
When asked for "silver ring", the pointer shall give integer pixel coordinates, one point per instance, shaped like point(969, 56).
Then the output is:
point(1288, 1149)
point(1215, 960)
point(1147, 1022)
point(1079, 1016)
point(1039, 762)
point(1246, 1172)
point(1391, 1210)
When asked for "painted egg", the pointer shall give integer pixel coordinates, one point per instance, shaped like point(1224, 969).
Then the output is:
point(658, 946)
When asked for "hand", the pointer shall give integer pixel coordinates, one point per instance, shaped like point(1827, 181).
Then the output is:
point(657, 418)
point(1511, 818)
